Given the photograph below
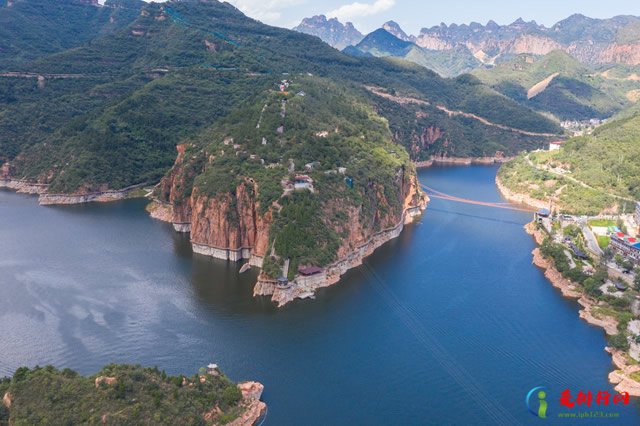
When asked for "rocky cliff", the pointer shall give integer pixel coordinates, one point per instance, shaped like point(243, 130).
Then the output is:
point(595, 41)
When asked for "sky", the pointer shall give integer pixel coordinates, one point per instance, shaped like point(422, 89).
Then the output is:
point(412, 15)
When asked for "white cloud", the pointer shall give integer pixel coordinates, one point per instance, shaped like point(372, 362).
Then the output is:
point(269, 11)
point(358, 10)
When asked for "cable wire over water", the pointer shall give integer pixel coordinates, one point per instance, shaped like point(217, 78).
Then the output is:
point(457, 372)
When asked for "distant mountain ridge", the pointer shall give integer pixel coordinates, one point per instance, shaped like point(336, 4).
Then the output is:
point(592, 41)
point(595, 41)
point(383, 43)
point(331, 31)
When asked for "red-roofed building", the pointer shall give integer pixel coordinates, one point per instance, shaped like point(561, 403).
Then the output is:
point(309, 270)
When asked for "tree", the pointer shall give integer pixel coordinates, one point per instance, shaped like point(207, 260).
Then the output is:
point(619, 341)
point(231, 395)
point(636, 280)
point(592, 287)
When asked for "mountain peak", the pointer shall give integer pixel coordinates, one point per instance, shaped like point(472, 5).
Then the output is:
point(331, 31)
point(394, 28)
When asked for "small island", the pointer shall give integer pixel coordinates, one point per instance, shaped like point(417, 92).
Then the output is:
point(128, 394)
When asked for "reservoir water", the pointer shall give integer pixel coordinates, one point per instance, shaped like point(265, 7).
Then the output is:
point(448, 324)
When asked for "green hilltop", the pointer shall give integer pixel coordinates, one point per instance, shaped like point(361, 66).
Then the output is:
point(326, 129)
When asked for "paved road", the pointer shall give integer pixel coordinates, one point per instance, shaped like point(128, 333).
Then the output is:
point(592, 241)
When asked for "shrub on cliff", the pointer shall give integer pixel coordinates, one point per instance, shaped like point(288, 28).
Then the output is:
point(592, 287)
point(619, 341)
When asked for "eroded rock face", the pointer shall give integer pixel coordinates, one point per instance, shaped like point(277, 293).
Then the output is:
point(534, 45)
point(106, 380)
point(7, 400)
point(230, 227)
point(174, 188)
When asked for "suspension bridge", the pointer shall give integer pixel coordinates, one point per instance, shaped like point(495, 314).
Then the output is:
point(434, 193)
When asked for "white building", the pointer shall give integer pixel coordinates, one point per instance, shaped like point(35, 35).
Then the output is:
point(554, 146)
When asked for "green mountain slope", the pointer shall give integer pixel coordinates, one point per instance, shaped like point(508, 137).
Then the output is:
point(558, 84)
point(128, 98)
point(447, 63)
point(30, 29)
point(588, 174)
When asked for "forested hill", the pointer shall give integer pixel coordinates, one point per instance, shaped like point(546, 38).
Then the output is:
point(110, 113)
point(30, 29)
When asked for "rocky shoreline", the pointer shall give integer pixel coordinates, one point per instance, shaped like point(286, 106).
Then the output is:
point(23, 187)
point(48, 199)
point(620, 378)
point(305, 287)
point(254, 409)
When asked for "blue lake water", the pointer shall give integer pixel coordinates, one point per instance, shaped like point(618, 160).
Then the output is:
point(448, 324)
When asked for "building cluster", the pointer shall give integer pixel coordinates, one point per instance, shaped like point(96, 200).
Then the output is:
point(579, 128)
point(625, 245)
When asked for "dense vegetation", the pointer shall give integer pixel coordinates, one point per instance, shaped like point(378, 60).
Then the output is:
point(608, 161)
point(181, 67)
point(138, 396)
point(30, 29)
point(578, 92)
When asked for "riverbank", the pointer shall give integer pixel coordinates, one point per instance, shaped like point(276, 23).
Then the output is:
point(515, 197)
point(626, 367)
point(302, 287)
point(461, 161)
